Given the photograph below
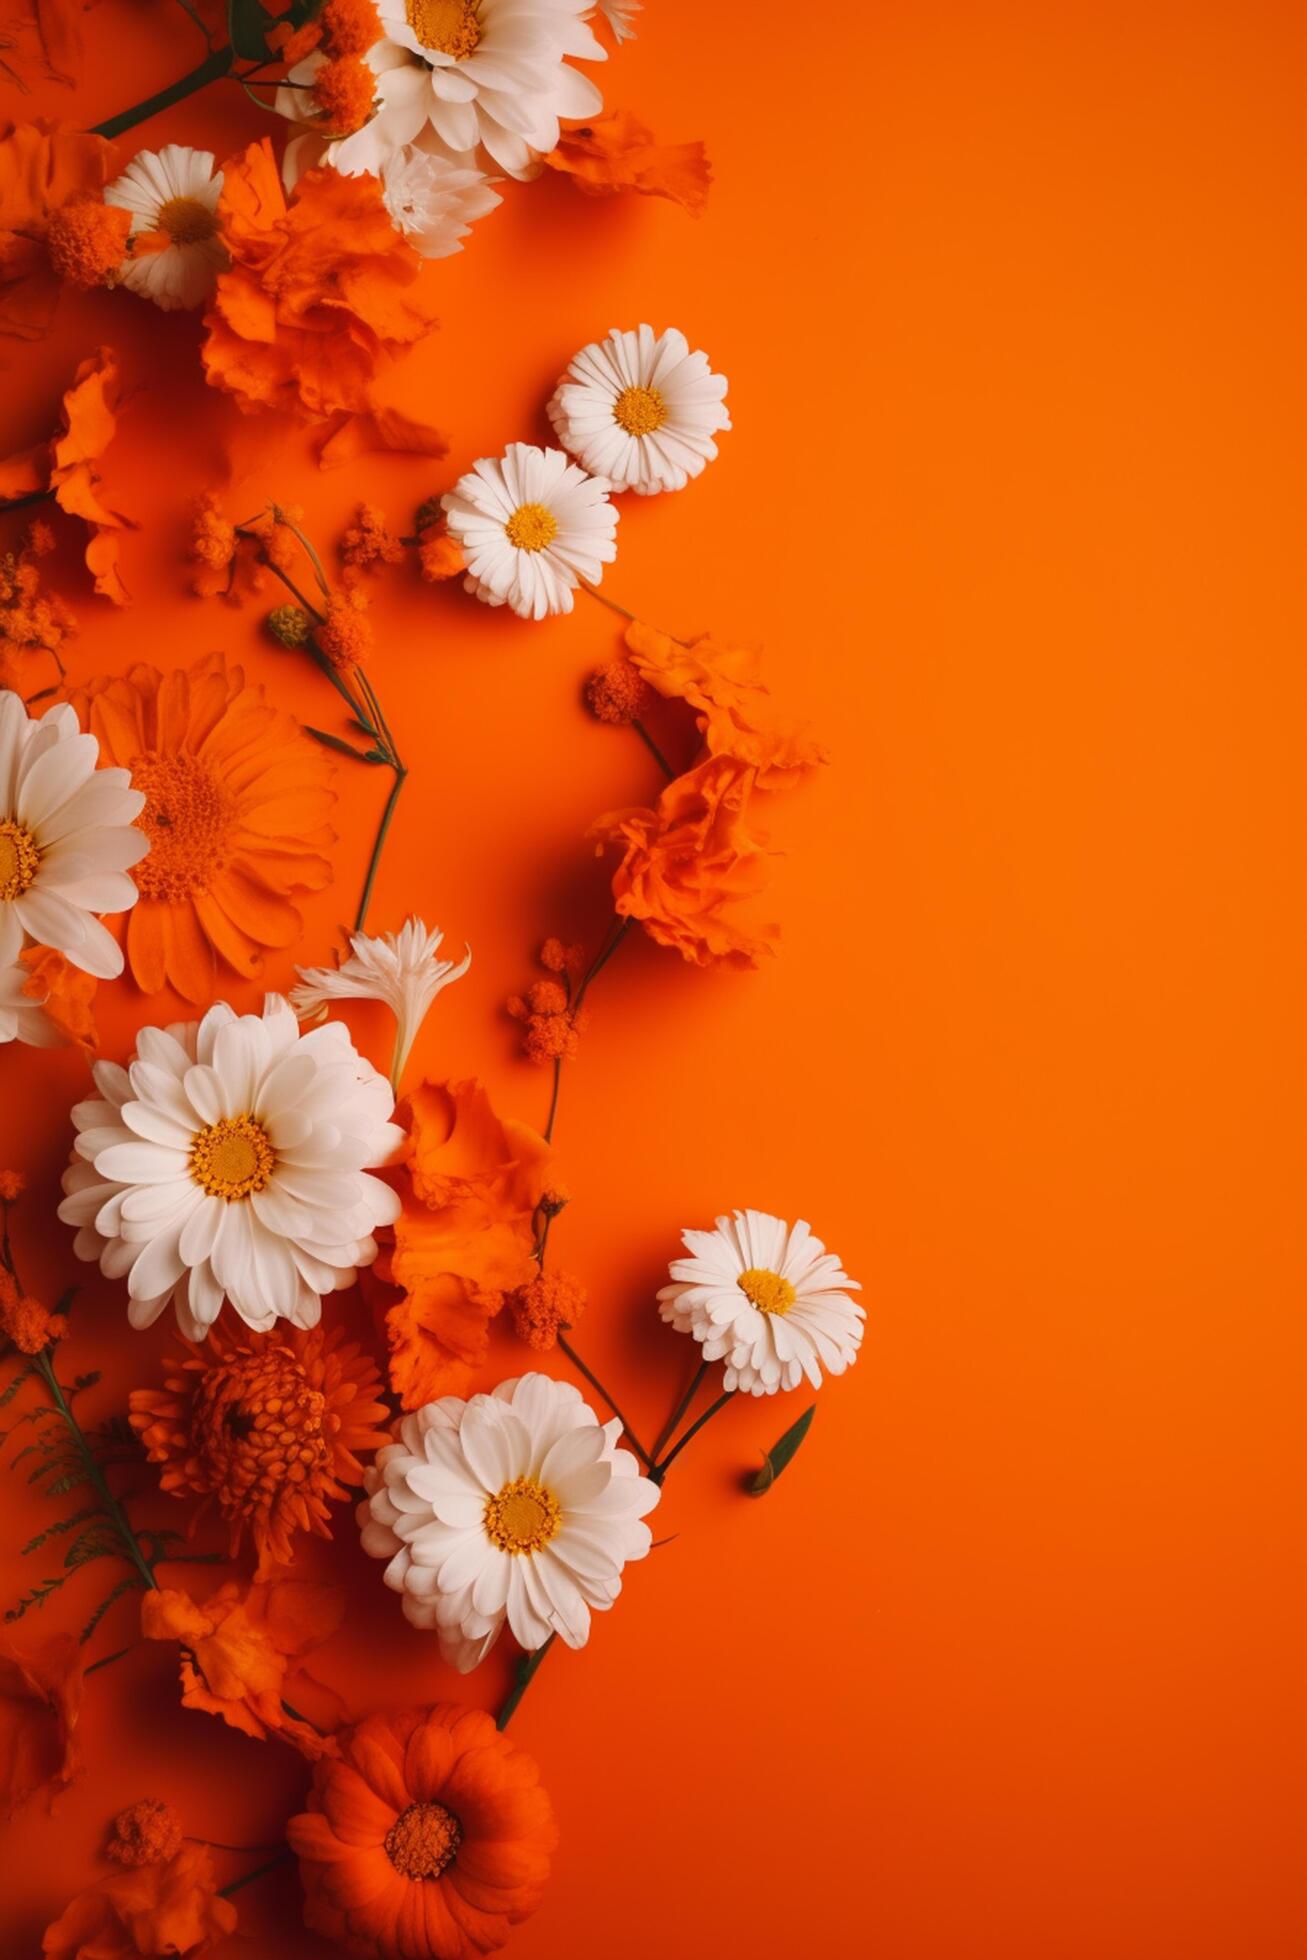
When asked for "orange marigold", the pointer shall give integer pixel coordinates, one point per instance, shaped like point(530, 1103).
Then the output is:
point(551, 1303)
point(41, 168)
point(40, 1701)
point(558, 957)
point(736, 714)
point(268, 1426)
point(427, 1838)
point(349, 26)
point(144, 1912)
point(370, 543)
point(617, 153)
point(146, 1833)
point(237, 800)
point(344, 637)
point(618, 693)
point(343, 93)
point(688, 864)
point(87, 240)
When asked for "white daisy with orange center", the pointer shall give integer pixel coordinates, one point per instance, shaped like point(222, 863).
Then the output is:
point(532, 527)
point(641, 410)
point(175, 252)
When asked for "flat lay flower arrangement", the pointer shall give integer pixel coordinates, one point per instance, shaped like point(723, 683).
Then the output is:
point(327, 1235)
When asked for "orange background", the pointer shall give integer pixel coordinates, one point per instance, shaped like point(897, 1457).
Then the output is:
point(1009, 1666)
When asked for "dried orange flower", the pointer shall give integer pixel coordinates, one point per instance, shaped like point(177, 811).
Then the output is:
point(343, 93)
point(87, 240)
point(24, 1321)
point(344, 637)
point(144, 1912)
point(41, 167)
point(618, 693)
point(290, 626)
point(736, 714)
point(349, 26)
point(70, 465)
point(213, 547)
point(369, 543)
point(12, 1186)
point(556, 957)
point(32, 621)
point(146, 1833)
point(268, 1426)
point(617, 153)
point(552, 1301)
point(40, 1701)
point(277, 541)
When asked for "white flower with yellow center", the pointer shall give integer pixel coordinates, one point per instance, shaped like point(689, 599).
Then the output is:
point(229, 1161)
point(768, 1300)
point(67, 839)
point(641, 410)
point(532, 526)
point(404, 969)
point(172, 195)
point(514, 1507)
point(483, 74)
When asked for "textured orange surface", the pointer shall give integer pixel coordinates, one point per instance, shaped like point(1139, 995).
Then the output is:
point(1009, 1666)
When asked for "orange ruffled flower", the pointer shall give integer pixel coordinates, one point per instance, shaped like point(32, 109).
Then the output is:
point(65, 992)
point(145, 1912)
point(690, 862)
point(241, 1645)
point(321, 295)
point(41, 168)
point(237, 802)
point(426, 1839)
point(40, 1701)
point(617, 153)
point(464, 1238)
point(71, 465)
point(266, 1425)
point(736, 714)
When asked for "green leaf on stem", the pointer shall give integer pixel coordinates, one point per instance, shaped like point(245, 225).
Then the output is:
point(248, 24)
point(780, 1454)
point(344, 748)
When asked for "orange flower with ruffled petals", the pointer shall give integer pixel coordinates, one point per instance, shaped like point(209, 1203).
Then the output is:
point(144, 1912)
point(236, 809)
point(268, 1426)
point(41, 168)
point(617, 153)
point(243, 1645)
point(71, 465)
point(736, 714)
point(426, 1839)
point(65, 993)
point(40, 1701)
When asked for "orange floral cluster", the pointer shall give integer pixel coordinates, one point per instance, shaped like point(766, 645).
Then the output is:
point(151, 1906)
point(545, 1307)
point(70, 466)
point(617, 153)
point(341, 28)
point(53, 223)
point(146, 1833)
point(33, 621)
point(24, 1322)
point(369, 545)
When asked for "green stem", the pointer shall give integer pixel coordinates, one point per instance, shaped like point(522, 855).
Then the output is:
point(659, 1470)
point(654, 750)
point(527, 1669)
point(622, 613)
point(226, 1891)
point(670, 1426)
point(213, 66)
point(107, 1661)
point(599, 962)
point(599, 1389)
point(112, 1508)
point(553, 1101)
point(387, 815)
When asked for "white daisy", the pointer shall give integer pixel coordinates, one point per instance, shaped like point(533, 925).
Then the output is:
point(618, 14)
point(229, 1161)
point(481, 73)
point(766, 1298)
point(403, 969)
point(531, 526)
point(22, 1018)
point(514, 1506)
point(641, 410)
point(67, 839)
point(172, 191)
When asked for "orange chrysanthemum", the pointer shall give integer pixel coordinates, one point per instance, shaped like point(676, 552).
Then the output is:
point(426, 1839)
point(66, 994)
point(464, 1238)
point(87, 240)
point(40, 1701)
point(237, 802)
point(688, 864)
point(241, 1649)
point(617, 153)
point(145, 1912)
point(268, 1426)
point(41, 168)
point(343, 92)
point(322, 293)
point(71, 465)
point(146, 1833)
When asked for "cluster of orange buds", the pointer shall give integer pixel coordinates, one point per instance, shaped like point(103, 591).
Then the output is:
point(369, 545)
point(340, 29)
point(618, 693)
point(32, 620)
point(87, 240)
point(550, 1023)
point(24, 1322)
point(146, 1833)
point(548, 1305)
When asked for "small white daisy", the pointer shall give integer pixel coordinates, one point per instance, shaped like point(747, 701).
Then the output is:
point(531, 526)
point(517, 1506)
point(403, 969)
point(67, 839)
point(766, 1298)
point(229, 1161)
point(173, 192)
point(22, 1018)
point(641, 410)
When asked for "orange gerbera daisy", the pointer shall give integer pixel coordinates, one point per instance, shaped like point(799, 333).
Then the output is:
point(149, 1910)
point(426, 1838)
point(236, 807)
point(266, 1424)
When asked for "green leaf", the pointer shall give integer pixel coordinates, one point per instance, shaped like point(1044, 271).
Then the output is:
point(60, 1526)
point(343, 748)
point(248, 26)
point(123, 1586)
point(780, 1453)
point(23, 1375)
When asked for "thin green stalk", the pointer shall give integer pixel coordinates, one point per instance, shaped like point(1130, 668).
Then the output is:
point(226, 1891)
point(599, 1389)
point(659, 1470)
point(599, 962)
point(670, 1426)
point(622, 612)
point(654, 750)
point(387, 815)
point(553, 1102)
point(113, 1509)
point(527, 1669)
point(107, 1660)
point(211, 69)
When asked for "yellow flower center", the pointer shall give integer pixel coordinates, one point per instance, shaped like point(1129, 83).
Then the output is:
point(639, 411)
point(531, 527)
point(187, 220)
point(423, 1840)
point(446, 26)
point(232, 1157)
point(766, 1290)
point(523, 1516)
point(187, 818)
point(20, 859)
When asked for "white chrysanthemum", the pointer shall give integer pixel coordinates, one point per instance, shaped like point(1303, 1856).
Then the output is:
point(618, 14)
point(22, 1018)
point(489, 74)
point(67, 839)
point(229, 1161)
point(435, 197)
point(641, 410)
point(172, 192)
point(516, 1506)
point(403, 969)
point(766, 1298)
point(531, 526)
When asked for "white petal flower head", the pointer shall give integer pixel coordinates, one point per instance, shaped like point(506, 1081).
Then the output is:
point(531, 526)
point(173, 193)
point(641, 410)
point(618, 14)
point(515, 1507)
point(435, 198)
point(21, 1017)
point(768, 1300)
point(230, 1160)
point(488, 74)
point(67, 839)
point(404, 969)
